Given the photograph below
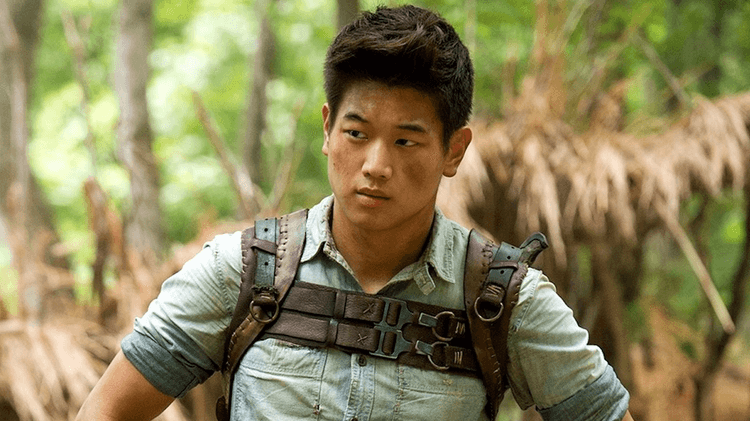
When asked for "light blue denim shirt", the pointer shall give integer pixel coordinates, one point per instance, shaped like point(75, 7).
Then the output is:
point(179, 343)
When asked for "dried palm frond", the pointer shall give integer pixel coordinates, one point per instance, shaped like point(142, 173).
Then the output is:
point(46, 371)
point(532, 172)
point(599, 183)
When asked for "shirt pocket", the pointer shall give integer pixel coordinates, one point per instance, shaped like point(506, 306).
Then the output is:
point(436, 396)
point(279, 380)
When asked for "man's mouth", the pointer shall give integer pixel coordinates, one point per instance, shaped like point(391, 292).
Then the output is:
point(373, 193)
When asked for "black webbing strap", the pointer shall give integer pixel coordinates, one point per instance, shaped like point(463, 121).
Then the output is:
point(265, 231)
point(492, 281)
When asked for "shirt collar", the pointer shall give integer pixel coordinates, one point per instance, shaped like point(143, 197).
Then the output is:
point(318, 231)
point(435, 262)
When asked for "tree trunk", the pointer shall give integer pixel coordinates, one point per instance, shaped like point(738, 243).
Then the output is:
point(18, 40)
point(603, 264)
point(718, 339)
point(24, 211)
point(24, 23)
point(257, 101)
point(347, 11)
point(711, 78)
point(144, 229)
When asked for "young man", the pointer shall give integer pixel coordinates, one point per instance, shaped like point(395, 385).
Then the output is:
point(399, 90)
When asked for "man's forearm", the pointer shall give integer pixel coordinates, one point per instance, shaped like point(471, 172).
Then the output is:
point(123, 394)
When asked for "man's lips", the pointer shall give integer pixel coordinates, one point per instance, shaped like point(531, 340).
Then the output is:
point(373, 193)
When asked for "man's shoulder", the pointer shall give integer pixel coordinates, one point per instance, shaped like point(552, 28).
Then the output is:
point(226, 244)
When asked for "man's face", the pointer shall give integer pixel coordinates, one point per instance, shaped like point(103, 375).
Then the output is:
point(385, 157)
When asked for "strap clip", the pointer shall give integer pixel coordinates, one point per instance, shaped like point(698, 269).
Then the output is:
point(404, 317)
point(531, 248)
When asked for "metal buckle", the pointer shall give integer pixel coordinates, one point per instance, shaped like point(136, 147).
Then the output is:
point(429, 350)
point(404, 317)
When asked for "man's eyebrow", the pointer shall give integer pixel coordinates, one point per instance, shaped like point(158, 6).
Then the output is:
point(414, 127)
point(351, 115)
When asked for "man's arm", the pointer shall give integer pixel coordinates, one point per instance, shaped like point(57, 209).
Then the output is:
point(627, 417)
point(552, 364)
point(123, 394)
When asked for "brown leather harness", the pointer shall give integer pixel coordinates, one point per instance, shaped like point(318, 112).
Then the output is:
point(468, 342)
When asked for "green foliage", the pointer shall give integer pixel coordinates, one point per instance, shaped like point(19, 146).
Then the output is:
point(688, 348)
point(8, 290)
point(500, 21)
point(636, 322)
point(736, 50)
point(670, 278)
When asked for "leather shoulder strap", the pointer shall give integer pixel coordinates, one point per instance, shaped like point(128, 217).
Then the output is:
point(492, 281)
point(271, 251)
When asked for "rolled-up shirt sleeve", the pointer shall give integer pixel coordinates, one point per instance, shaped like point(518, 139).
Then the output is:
point(179, 342)
point(553, 366)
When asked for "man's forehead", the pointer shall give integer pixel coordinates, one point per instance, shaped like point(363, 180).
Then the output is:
point(416, 125)
point(409, 108)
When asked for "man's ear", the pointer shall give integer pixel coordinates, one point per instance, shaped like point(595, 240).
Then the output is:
point(457, 146)
point(326, 111)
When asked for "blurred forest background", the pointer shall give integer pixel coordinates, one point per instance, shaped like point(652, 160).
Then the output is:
point(131, 132)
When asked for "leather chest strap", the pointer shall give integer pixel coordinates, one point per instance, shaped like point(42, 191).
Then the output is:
point(412, 333)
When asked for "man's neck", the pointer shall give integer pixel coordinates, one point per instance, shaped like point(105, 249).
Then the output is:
point(377, 256)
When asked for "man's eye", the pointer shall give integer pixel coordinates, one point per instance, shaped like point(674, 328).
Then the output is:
point(405, 142)
point(355, 134)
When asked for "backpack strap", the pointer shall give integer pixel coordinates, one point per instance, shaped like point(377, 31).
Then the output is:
point(492, 281)
point(274, 248)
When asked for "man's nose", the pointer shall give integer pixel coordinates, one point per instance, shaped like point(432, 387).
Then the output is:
point(378, 161)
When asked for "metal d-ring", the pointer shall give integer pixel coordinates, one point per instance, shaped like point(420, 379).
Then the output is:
point(268, 320)
point(424, 348)
point(437, 317)
point(429, 356)
point(487, 319)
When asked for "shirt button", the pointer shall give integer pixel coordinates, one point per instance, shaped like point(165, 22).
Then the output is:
point(362, 360)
